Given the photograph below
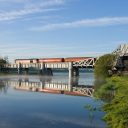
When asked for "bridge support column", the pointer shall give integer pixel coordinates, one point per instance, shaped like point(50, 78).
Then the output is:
point(75, 71)
point(19, 69)
point(49, 72)
point(42, 69)
point(26, 70)
point(45, 71)
point(70, 70)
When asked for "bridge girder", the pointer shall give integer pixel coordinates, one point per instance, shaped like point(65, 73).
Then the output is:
point(86, 63)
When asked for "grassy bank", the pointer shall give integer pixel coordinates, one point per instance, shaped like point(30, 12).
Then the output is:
point(115, 94)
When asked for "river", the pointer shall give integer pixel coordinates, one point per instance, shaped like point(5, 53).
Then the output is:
point(24, 107)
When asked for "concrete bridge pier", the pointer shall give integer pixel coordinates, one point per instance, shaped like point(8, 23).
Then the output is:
point(75, 71)
point(42, 69)
point(19, 70)
point(26, 70)
point(70, 69)
point(49, 72)
point(45, 71)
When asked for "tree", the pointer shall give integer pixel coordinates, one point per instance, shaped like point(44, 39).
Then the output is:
point(2, 62)
point(103, 64)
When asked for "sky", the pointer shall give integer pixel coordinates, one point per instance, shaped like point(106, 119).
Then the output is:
point(62, 28)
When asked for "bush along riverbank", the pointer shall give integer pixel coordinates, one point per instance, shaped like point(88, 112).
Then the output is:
point(113, 90)
point(115, 94)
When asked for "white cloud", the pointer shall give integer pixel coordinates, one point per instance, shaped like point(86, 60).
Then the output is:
point(105, 21)
point(30, 9)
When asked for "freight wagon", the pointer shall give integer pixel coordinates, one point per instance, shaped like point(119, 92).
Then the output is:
point(26, 61)
point(50, 60)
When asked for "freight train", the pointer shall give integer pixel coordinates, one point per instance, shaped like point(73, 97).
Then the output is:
point(50, 60)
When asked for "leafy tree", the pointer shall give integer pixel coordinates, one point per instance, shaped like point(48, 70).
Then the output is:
point(3, 61)
point(103, 64)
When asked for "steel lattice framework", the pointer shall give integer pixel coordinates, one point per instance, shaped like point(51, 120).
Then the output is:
point(88, 91)
point(121, 50)
point(86, 63)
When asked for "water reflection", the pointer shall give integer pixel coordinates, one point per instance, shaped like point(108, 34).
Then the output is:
point(3, 87)
point(49, 85)
point(26, 109)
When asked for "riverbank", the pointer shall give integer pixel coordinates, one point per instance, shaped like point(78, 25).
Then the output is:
point(115, 90)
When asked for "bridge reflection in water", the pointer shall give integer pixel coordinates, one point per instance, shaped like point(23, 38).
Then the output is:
point(47, 85)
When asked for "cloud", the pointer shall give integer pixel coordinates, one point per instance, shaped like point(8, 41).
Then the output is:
point(30, 9)
point(104, 21)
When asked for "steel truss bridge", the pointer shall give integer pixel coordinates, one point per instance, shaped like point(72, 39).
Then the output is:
point(46, 68)
point(121, 52)
point(85, 63)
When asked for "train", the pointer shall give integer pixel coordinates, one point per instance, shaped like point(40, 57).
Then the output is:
point(50, 60)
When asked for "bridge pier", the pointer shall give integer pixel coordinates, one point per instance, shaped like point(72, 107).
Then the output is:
point(75, 71)
point(45, 71)
point(42, 68)
point(49, 71)
point(19, 69)
point(26, 70)
point(70, 69)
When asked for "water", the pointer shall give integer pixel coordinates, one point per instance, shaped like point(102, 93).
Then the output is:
point(34, 109)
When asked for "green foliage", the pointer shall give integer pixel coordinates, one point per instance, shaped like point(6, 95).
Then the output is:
point(3, 61)
point(103, 64)
point(106, 91)
point(98, 83)
point(114, 91)
point(115, 88)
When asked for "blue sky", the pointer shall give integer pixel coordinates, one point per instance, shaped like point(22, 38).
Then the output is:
point(61, 28)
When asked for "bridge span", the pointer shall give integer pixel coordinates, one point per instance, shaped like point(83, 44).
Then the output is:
point(45, 67)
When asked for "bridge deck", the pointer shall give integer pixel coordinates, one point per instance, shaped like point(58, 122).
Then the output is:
point(89, 62)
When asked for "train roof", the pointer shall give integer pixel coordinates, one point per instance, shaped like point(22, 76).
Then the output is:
point(78, 57)
point(28, 59)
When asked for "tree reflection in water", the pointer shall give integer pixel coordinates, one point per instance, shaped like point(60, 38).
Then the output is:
point(3, 87)
point(104, 92)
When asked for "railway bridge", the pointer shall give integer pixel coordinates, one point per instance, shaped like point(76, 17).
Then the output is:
point(45, 66)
